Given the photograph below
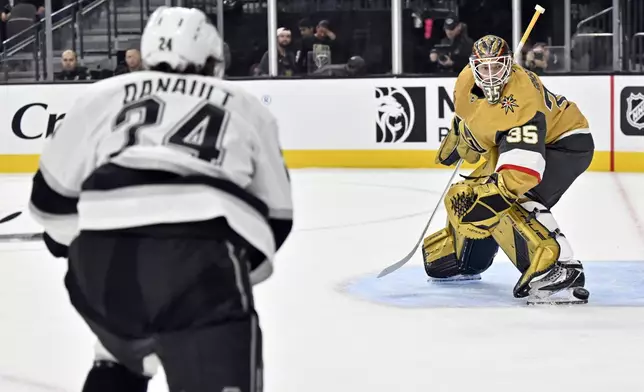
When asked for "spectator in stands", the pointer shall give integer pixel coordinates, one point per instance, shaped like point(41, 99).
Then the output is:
point(307, 31)
point(453, 53)
point(5, 8)
point(316, 50)
point(356, 66)
point(285, 57)
point(71, 69)
point(537, 58)
point(132, 62)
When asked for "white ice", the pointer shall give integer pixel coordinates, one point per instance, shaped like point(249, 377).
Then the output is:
point(317, 339)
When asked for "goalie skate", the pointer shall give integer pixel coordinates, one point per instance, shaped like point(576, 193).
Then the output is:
point(562, 285)
point(455, 278)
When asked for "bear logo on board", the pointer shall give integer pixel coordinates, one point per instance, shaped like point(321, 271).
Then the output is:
point(401, 115)
point(632, 108)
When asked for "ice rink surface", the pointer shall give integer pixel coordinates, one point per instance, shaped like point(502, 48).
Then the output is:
point(329, 325)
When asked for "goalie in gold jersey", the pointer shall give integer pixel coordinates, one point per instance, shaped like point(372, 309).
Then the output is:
point(535, 143)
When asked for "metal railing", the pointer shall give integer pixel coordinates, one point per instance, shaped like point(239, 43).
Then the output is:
point(636, 63)
point(632, 30)
point(601, 20)
point(70, 16)
point(304, 6)
point(26, 37)
point(74, 22)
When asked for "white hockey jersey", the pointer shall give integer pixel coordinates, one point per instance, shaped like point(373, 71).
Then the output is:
point(150, 148)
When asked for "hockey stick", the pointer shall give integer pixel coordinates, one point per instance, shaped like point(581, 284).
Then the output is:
point(539, 10)
point(405, 259)
point(10, 217)
point(21, 237)
point(18, 237)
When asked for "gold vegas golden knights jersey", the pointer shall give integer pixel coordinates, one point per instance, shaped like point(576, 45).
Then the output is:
point(517, 129)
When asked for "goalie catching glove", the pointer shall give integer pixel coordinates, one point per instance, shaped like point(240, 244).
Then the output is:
point(453, 147)
point(474, 208)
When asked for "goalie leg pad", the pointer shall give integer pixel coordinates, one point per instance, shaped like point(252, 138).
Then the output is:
point(447, 255)
point(533, 242)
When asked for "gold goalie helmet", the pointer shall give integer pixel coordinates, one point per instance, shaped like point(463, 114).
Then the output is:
point(491, 62)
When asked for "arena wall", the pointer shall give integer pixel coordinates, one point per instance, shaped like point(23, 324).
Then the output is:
point(343, 122)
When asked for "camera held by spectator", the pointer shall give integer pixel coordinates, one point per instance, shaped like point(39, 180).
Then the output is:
point(452, 54)
point(537, 58)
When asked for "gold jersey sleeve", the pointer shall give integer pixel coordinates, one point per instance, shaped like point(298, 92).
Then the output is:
point(517, 129)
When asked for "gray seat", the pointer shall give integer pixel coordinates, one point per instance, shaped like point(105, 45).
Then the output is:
point(22, 17)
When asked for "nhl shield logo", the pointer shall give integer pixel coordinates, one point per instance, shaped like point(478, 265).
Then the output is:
point(632, 108)
point(635, 110)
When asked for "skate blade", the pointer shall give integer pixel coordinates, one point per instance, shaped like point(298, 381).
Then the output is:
point(546, 301)
point(457, 278)
point(565, 297)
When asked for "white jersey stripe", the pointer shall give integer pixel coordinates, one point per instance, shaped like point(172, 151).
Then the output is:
point(528, 159)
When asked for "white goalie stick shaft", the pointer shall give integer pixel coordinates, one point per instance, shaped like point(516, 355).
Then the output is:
point(405, 259)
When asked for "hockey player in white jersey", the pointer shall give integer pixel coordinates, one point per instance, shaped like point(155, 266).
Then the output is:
point(167, 191)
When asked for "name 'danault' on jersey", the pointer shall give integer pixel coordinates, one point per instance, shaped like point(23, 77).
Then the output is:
point(173, 84)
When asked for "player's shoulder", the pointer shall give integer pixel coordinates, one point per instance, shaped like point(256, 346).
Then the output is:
point(524, 88)
point(525, 83)
point(465, 79)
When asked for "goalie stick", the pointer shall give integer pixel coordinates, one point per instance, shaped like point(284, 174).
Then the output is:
point(538, 11)
point(405, 259)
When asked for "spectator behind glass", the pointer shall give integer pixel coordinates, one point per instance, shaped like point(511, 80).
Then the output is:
point(540, 59)
point(5, 8)
point(71, 70)
point(453, 53)
point(285, 58)
point(316, 49)
point(132, 62)
point(537, 59)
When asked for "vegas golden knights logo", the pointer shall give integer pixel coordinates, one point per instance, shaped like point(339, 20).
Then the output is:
point(471, 141)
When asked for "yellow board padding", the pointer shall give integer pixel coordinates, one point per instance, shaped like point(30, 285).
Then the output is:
point(18, 163)
point(410, 159)
point(629, 161)
point(364, 159)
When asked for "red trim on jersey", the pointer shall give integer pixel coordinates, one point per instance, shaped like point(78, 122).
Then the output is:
point(522, 169)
